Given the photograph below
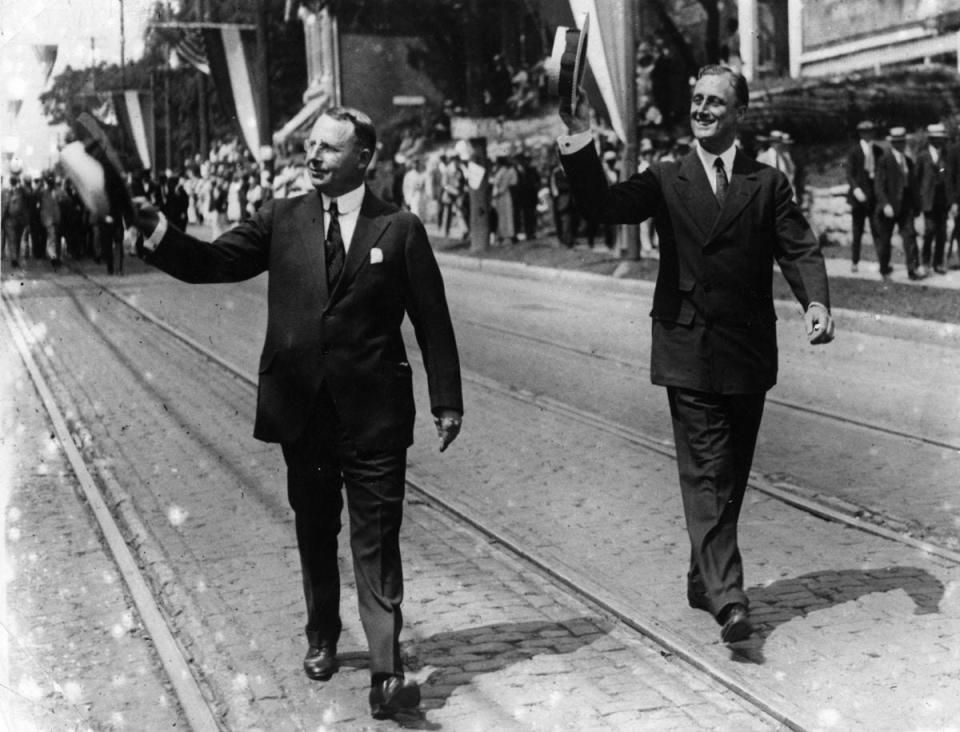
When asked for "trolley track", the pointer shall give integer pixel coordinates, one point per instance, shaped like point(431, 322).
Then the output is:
point(594, 594)
point(206, 713)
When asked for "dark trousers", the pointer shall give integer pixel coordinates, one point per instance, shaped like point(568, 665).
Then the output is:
point(904, 224)
point(935, 233)
point(13, 234)
point(320, 466)
point(715, 436)
point(860, 213)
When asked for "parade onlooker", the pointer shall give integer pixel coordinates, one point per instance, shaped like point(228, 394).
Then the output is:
point(501, 200)
point(934, 198)
point(51, 205)
point(38, 235)
point(777, 156)
point(415, 182)
point(861, 165)
point(897, 205)
point(565, 218)
point(16, 217)
point(234, 204)
point(528, 186)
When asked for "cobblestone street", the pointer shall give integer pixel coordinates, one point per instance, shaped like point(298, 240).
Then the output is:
point(845, 618)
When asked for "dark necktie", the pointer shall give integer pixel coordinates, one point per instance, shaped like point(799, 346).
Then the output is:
point(333, 246)
point(722, 182)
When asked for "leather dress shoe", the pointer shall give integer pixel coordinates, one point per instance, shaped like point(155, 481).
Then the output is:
point(390, 694)
point(736, 624)
point(321, 661)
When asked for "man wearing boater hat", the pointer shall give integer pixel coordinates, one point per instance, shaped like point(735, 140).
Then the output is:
point(935, 197)
point(897, 204)
point(861, 166)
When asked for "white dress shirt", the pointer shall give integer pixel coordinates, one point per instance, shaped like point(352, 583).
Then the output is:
point(348, 208)
point(708, 160)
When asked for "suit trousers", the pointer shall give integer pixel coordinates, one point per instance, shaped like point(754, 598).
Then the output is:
point(321, 465)
point(715, 436)
point(861, 213)
point(904, 223)
point(935, 233)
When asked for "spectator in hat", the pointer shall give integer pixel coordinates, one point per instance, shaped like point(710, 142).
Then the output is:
point(861, 166)
point(777, 156)
point(934, 198)
point(896, 205)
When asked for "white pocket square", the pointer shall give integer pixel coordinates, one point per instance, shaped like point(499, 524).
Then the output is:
point(376, 255)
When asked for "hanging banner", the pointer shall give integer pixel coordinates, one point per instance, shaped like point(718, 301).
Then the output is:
point(231, 52)
point(47, 56)
point(605, 52)
point(135, 114)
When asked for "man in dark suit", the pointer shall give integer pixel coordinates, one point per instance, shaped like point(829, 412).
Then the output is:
point(335, 386)
point(895, 187)
point(860, 166)
point(935, 197)
point(722, 219)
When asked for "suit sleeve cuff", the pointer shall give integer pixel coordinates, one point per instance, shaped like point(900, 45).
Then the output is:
point(151, 242)
point(570, 144)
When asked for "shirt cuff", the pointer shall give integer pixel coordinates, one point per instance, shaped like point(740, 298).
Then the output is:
point(576, 142)
point(814, 302)
point(151, 242)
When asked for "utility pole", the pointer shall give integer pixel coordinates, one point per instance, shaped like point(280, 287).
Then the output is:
point(123, 43)
point(202, 128)
point(263, 88)
point(629, 234)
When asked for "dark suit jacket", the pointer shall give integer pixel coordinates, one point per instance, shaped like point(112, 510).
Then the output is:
point(349, 339)
point(857, 175)
point(929, 176)
point(892, 187)
point(714, 324)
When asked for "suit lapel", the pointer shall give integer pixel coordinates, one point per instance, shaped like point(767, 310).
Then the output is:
point(369, 228)
point(311, 227)
point(694, 191)
point(743, 187)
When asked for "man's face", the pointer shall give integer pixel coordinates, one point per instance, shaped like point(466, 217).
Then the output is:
point(335, 161)
point(714, 114)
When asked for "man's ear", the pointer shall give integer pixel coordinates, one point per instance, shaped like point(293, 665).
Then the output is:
point(366, 155)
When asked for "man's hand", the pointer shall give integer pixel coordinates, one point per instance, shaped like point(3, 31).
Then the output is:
point(448, 423)
point(860, 195)
point(819, 324)
point(579, 121)
point(888, 211)
point(146, 216)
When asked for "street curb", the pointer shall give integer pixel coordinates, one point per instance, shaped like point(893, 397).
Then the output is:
point(890, 326)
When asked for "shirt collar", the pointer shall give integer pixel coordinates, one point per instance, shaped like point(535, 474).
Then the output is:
point(708, 158)
point(346, 203)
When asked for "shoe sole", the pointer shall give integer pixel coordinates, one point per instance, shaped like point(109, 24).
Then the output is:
point(736, 632)
point(407, 698)
point(320, 676)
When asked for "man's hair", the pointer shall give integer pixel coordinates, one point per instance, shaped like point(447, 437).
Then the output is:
point(363, 128)
point(737, 81)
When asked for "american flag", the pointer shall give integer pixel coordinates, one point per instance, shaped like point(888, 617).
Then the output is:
point(190, 48)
